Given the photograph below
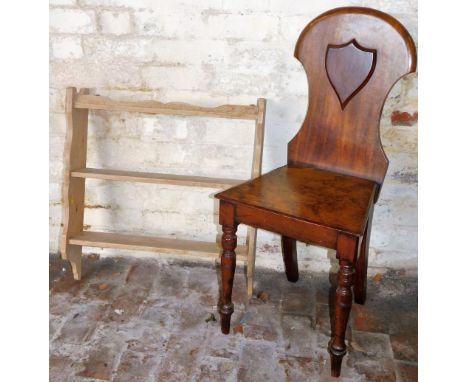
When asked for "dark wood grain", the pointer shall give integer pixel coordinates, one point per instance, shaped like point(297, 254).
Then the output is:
point(228, 264)
point(286, 225)
point(341, 60)
point(336, 164)
point(347, 140)
point(322, 197)
point(289, 249)
point(346, 253)
point(360, 286)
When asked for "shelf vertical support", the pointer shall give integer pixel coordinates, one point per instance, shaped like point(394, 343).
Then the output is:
point(74, 188)
point(256, 172)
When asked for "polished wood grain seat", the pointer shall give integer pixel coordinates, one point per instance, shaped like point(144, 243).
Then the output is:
point(317, 196)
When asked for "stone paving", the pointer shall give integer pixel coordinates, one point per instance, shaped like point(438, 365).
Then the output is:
point(149, 320)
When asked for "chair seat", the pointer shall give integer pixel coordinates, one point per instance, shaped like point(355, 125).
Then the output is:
point(325, 198)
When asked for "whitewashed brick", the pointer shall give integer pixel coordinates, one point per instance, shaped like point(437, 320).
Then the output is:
point(62, 2)
point(55, 213)
point(72, 21)
point(172, 26)
point(410, 22)
point(210, 27)
point(56, 146)
point(246, 6)
point(403, 97)
point(187, 53)
point(55, 167)
point(176, 157)
point(213, 132)
point(398, 204)
point(57, 124)
point(162, 7)
point(102, 48)
point(209, 52)
point(400, 139)
point(248, 56)
point(387, 241)
point(403, 167)
point(54, 235)
point(131, 95)
point(57, 100)
point(411, 82)
point(393, 6)
point(307, 7)
point(258, 27)
point(55, 193)
point(184, 78)
point(114, 22)
point(64, 48)
point(197, 97)
point(85, 73)
point(226, 81)
point(292, 26)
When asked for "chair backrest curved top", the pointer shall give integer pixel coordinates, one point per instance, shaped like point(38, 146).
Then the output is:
point(352, 57)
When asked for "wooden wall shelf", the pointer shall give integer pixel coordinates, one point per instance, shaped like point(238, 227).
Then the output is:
point(76, 172)
point(151, 244)
point(151, 177)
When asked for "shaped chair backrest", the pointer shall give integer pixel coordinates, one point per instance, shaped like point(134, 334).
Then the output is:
point(352, 58)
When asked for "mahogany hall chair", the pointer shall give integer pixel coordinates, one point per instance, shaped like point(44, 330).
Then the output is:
point(336, 164)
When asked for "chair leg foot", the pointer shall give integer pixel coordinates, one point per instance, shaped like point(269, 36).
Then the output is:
point(336, 359)
point(252, 246)
point(228, 268)
point(292, 279)
point(73, 255)
point(249, 286)
point(361, 300)
point(290, 258)
point(76, 269)
point(226, 318)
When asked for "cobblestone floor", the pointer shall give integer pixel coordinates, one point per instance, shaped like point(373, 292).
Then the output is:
point(148, 320)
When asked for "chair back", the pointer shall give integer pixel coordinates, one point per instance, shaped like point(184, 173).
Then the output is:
point(352, 57)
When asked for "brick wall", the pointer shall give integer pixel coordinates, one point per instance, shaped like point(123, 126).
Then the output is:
point(209, 52)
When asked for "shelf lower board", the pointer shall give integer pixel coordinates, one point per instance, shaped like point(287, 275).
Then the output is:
point(152, 244)
point(147, 177)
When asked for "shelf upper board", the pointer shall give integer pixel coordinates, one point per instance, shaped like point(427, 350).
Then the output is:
point(148, 177)
point(151, 244)
point(94, 102)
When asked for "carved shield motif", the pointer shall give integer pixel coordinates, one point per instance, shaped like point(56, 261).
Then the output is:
point(349, 67)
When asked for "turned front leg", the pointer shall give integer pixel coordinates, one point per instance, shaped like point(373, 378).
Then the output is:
point(343, 301)
point(228, 268)
point(347, 249)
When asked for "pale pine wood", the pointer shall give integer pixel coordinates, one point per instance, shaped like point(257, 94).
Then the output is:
point(92, 102)
point(256, 171)
point(148, 177)
point(74, 188)
point(74, 257)
point(149, 244)
point(73, 237)
point(259, 135)
point(251, 253)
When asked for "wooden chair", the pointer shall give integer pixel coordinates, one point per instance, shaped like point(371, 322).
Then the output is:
point(336, 164)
